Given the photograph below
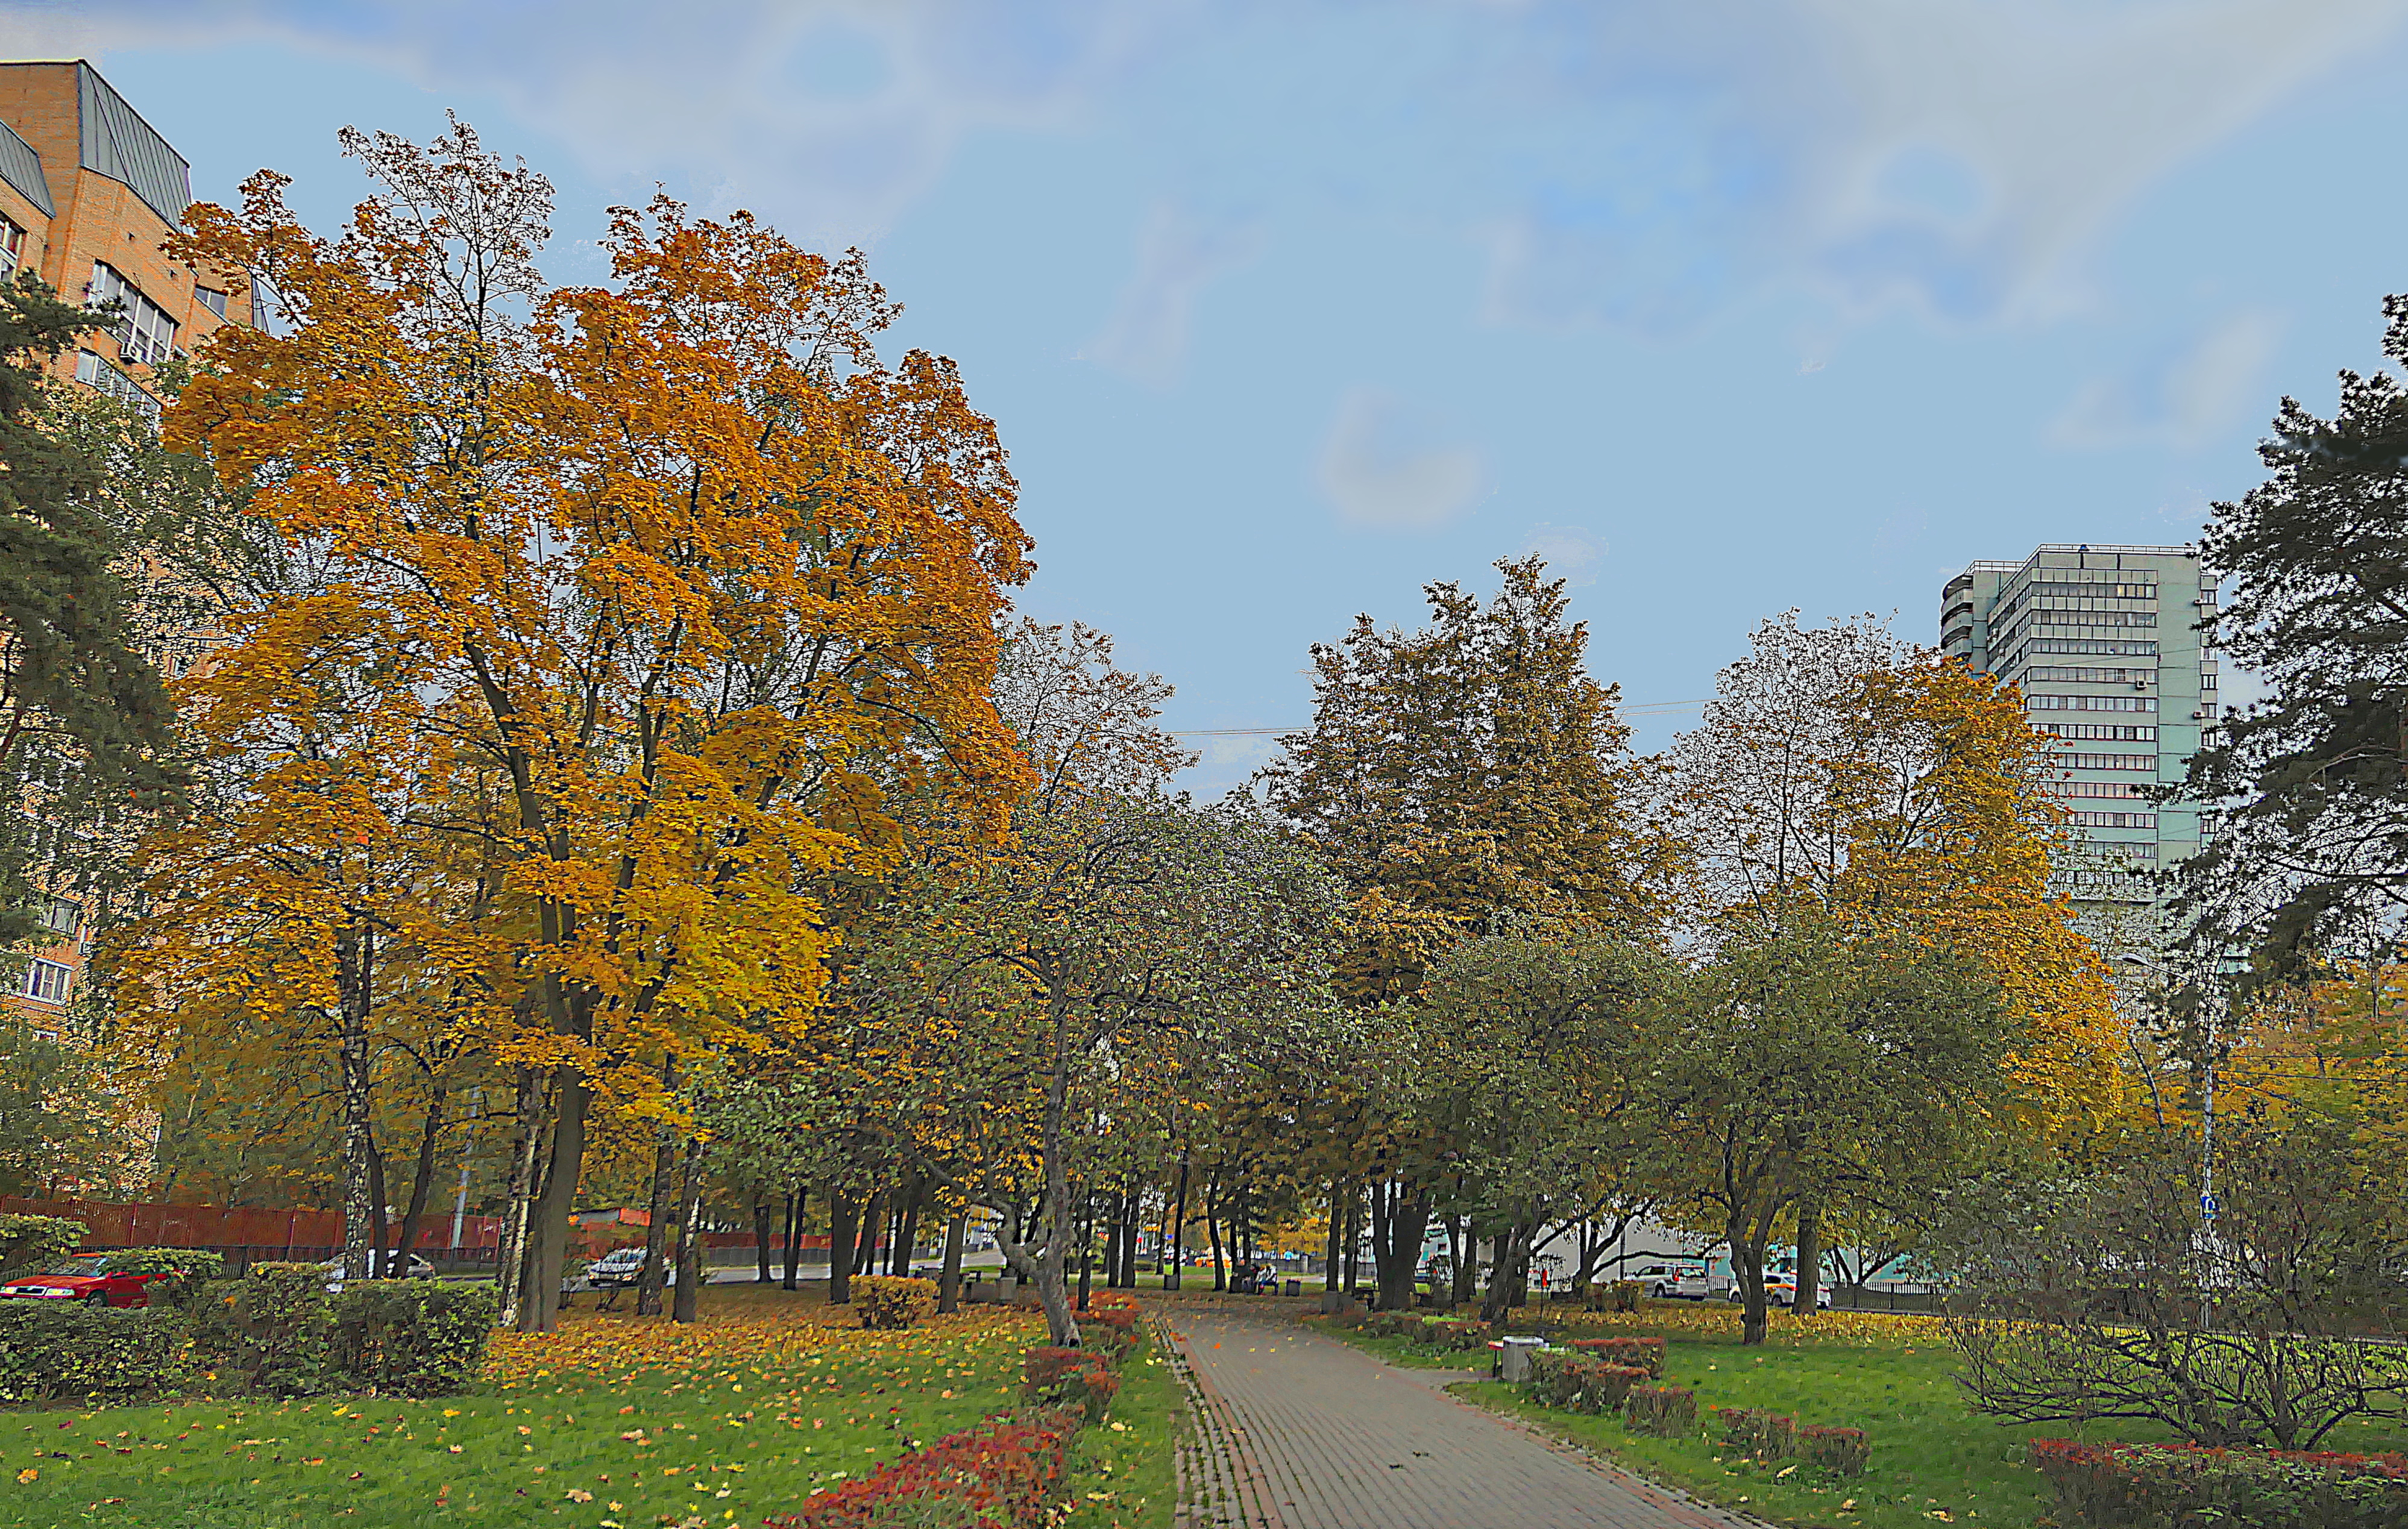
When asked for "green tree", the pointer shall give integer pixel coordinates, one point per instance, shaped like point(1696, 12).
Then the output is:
point(87, 733)
point(1797, 1060)
point(1530, 1055)
point(2307, 790)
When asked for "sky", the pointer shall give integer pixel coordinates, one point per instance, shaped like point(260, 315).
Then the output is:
point(1287, 309)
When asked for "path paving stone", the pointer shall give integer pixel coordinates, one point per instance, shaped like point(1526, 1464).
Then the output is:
point(1297, 1431)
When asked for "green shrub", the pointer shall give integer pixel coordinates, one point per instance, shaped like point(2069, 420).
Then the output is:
point(1091, 1391)
point(890, 1301)
point(269, 1331)
point(1842, 1451)
point(1454, 1335)
point(32, 1241)
point(2146, 1486)
point(1757, 1431)
point(1647, 1353)
point(192, 1263)
point(1580, 1383)
point(413, 1338)
point(1667, 1410)
point(58, 1351)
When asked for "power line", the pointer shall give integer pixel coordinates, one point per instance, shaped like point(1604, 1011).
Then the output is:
point(1650, 709)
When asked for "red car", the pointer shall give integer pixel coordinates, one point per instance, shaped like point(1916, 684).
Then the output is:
point(86, 1278)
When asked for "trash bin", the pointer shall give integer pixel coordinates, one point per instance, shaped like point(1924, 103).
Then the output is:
point(1513, 1361)
point(1295, 1287)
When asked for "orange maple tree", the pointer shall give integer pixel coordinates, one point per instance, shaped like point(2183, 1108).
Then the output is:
point(696, 574)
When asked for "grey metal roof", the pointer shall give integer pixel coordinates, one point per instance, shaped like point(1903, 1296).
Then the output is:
point(119, 144)
point(22, 168)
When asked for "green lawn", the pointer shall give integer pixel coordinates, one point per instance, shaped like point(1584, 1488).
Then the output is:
point(1122, 1474)
point(613, 1421)
point(1934, 1460)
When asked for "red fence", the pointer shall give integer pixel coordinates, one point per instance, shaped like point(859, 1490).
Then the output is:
point(113, 1226)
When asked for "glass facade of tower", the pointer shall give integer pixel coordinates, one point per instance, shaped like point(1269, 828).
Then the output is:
point(2104, 644)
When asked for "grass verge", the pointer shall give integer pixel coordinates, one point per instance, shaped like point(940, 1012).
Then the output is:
point(613, 1422)
point(1122, 1475)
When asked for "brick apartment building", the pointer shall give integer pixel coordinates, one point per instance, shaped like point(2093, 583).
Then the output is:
point(89, 193)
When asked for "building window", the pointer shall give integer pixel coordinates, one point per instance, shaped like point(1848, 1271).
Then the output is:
point(2089, 677)
point(145, 334)
point(213, 300)
point(2090, 702)
point(94, 372)
point(63, 917)
point(46, 981)
point(2107, 762)
point(12, 247)
point(2114, 819)
point(2098, 732)
point(2101, 788)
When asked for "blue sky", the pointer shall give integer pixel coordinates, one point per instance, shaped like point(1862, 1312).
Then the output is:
point(1285, 309)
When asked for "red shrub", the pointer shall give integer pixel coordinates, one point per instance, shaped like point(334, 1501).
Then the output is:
point(1647, 1353)
point(2154, 1486)
point(1043, 1370)
point(1007, 1477)
point(1843, 1451)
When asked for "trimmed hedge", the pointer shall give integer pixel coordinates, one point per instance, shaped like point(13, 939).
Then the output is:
point(190, 1262)
point(1842, 1451)
point(60, 1350)
point(275, 1330)
point(1758, 1431)
point(2177, 1486)
point(1666, 1410)
point(412, 1338)
point(1580, 1383)
point(1010, 1477)
point(30, 1241)
point(891, 1302)
point(1647, 1353)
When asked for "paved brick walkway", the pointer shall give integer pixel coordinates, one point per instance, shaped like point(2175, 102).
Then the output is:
point(1297, 1431)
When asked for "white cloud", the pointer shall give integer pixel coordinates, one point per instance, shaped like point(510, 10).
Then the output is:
point(1178, 256)
point(1637, 165)
point(1573, 552)
point(1382, 467)
point(2179, 400)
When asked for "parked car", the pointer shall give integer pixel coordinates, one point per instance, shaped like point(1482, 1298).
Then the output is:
point(1781, 1290)
point(1674, 1282)
point(417, 1267)
point(622, 1267)
point(88, 1278)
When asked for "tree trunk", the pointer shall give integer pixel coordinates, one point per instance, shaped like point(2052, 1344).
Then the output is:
point(688, 1303)
point(1177, 1231)
point(1336, 1219)
point(541, 1312)
point(1134, 1208)
point(421, 1181)
point(654, 1278)
point(354, 984)
point(1408, 1219)
point(511, 1257)
point(1212, 1230)
point(794, 1238)
point(1086, 1247)
point(1463, 1243)
point(907, 1241)
point(1112, 1240)
point(762, 1217)
point(379, 1265)
point(1506, 1275)
point(1810, 1257)
point(1350, 1250)
point(873, 1224)
point(840, 1213)
point(949, 1279)
point(1747, 1271)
